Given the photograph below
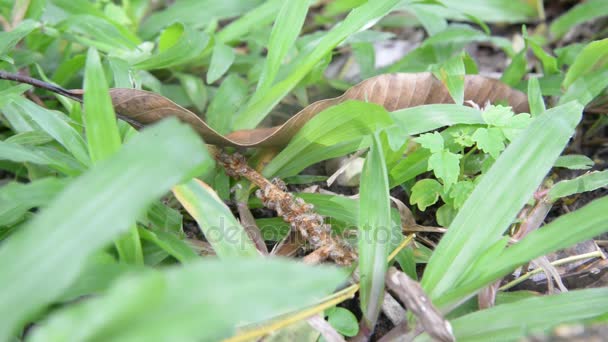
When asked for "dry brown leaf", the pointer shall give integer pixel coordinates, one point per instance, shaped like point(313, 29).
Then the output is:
point(393, 91)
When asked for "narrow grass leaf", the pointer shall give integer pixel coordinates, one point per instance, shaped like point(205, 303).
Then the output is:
point(220, 227)
point(282, 37)
point(9, 39)
point(375, 228)
point(358, 19)
point(580, 225)
point(103, 139)
point(101, 204)
point(203, 301)
point(170, 243)
point(260, 16)
point(593, 58)
point(426, 118)
point(587, 182)
point(498, 197)
point(334, 132)
point(514, 321)
point(574, 162)
point(56, 126)
point(17, 198)
point(195, 13)
point(535, 97)
point(584, 11)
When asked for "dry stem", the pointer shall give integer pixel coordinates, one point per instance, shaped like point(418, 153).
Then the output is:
point(295, 211)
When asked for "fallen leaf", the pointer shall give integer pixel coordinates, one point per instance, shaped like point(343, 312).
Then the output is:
point(393, 91)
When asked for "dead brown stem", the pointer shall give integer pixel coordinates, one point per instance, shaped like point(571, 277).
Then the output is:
point(295, 211)
point(411, 294)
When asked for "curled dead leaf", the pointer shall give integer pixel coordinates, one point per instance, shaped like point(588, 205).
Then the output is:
point(393, 91)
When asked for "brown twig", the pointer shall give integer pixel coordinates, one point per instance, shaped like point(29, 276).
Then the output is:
point(40, 84)
point(294, 211)
point(411, 294)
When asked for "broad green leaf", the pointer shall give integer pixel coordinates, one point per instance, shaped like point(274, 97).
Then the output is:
point(343, 321)
point(445, 215)
point(56, 125)
point(357, 19)
point(221, 59)
point(499, 196)
point(425, 193)
point(17, 198)
point(497, 115)
point(431, 141)
point(102, 203)
point(584, 183)
point(593, 58)
point(574, 162)
point(9, 94)
point(282, 37)
point(504, 322)
point(8, 40)
point(375, 229)
point(202, 301)
point(188, 47)
point(195, 13)
point(414, 164)
point(490, 140)
point(445, 166)
point(220, 227)
point(582, 12)
point(334, 132)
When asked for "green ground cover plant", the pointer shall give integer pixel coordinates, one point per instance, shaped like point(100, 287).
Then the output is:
point(165, 168)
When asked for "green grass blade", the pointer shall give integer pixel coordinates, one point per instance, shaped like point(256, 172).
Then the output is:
point(334, 132)
point(8, 40)
point(104, 139)
point(375, 229)
point(580, 225)
point(426, 118)
point(498, 197)
point(88, 214)
point(258, 17)
point(584, 183)
point(222, 230)
point(202, 301)
point(513, 321)
point(584, 11)
point(17, 198)
point(56, 126)
point(282, 37)
point(593, 58)
point(100, 121)
point(367, 13)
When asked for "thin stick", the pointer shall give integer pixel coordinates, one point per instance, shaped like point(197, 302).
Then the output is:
point(594, 254)
point(40, 84)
